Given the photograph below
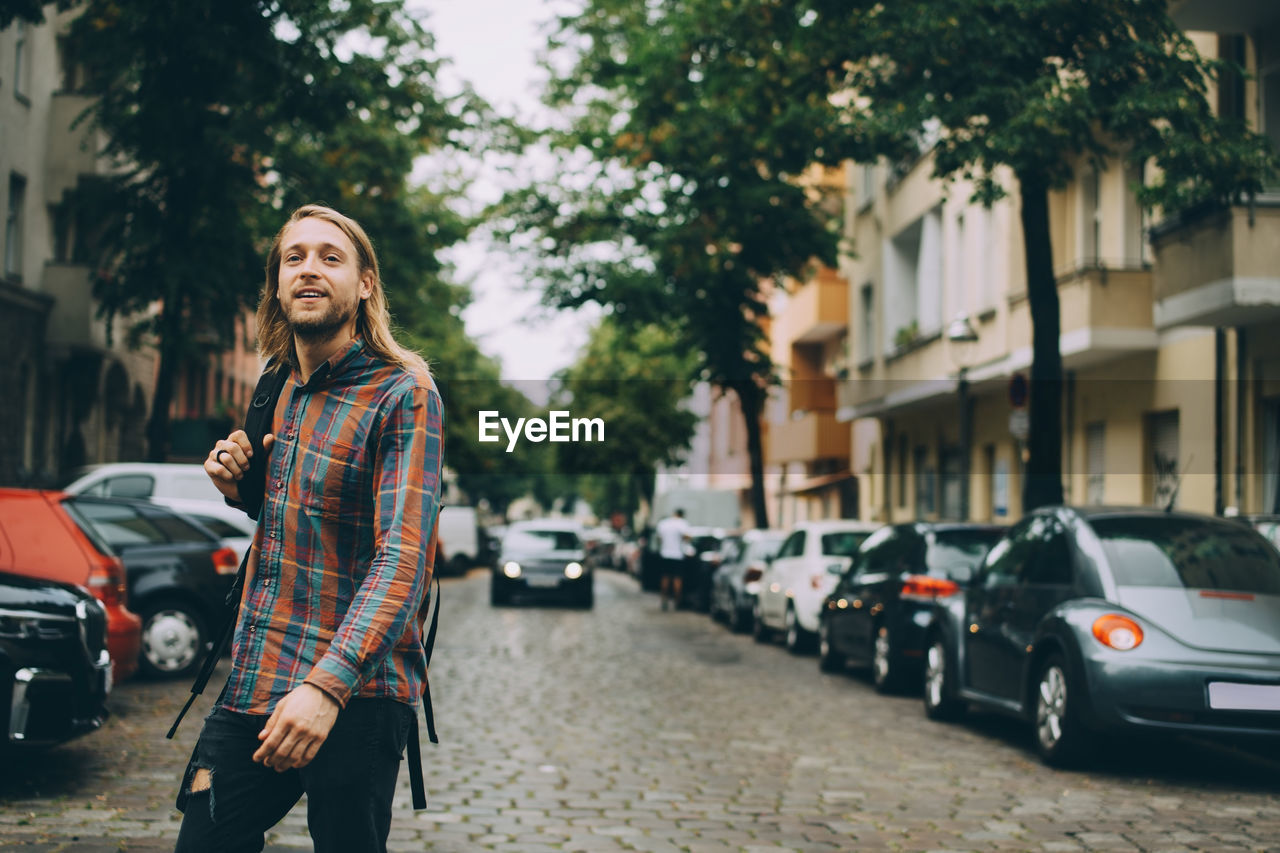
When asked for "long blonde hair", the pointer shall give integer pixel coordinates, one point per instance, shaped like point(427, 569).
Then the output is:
point(373, 317)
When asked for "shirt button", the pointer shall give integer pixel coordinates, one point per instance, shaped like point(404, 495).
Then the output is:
point(252, 629)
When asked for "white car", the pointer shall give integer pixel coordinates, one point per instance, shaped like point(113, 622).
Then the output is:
point(146, 480)
point(812, 558)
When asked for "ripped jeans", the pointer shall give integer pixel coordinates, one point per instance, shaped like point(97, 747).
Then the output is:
point(349, 784)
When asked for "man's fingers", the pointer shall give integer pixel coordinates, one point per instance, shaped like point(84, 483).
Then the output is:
point(268, 441)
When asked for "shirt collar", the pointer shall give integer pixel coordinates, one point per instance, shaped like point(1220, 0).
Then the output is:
point(333, 366)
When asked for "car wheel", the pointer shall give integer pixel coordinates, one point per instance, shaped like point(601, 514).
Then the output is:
point(173, 640)
point(886, 671)
point(797, 638)
point(759, 630)
point(829, 660)
point(1061, 739)
point(743, 620)
point(940, 701)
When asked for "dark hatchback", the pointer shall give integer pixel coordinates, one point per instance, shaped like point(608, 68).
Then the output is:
point(177, 572)
point(55, 669)
point(880, 609)
point(1093, 621)
point(543, 558)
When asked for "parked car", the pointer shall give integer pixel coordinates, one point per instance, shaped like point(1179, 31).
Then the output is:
point(460, 537)
point(1268, 525)
point(705, 551)
point(145, 480)
point(543, 557)
point(46, 539)
point(812, 558)
point(879, 610)
point(737, 581)
point(232, 526)
point(1087, 621)
point(55, 667)
point(178, 575)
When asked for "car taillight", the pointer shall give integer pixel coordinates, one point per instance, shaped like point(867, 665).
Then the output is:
point(925, 588)
point(752, 574)
point(225, 561)
point(106, 581)
point(1117, 632)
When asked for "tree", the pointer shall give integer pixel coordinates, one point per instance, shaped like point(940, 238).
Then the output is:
point(634, 379)
point(1035, 86)
point(219, 117)
point(677, 203)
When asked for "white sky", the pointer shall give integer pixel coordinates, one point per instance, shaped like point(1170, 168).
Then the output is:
point(492, 44)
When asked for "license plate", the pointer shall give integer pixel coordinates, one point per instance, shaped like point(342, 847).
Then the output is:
point(543, 581)
point(1225, 696)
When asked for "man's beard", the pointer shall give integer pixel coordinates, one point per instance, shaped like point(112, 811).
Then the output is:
point(325, 327)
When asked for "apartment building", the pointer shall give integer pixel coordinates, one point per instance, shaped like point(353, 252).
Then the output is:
point(74, 394)
point(1170, 392)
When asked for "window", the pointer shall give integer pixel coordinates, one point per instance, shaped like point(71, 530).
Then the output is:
point(924, 483)
point(126, 486)
point(1162, 438)
point(866, 186)
point(955, 553)
point(1095, 463)
point(218, 527)
point(1188, 553)
point(1090, 218)
point(1051, 560)
point(1004, 561)
point(867, 330)
point(541, 541)
point(902, 470)
point(13, 227)
point(842, 544)
point(120, 526)
point(21, 59)
point(794, 546)
point(178, 529)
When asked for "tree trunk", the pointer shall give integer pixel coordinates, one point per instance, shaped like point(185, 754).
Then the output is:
point(1042, 485)
point(751, 400)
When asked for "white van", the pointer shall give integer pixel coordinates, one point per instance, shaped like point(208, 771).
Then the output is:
point(146, 480)
point(459, 539)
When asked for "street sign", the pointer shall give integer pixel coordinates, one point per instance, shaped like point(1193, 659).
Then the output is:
point(1020, 424)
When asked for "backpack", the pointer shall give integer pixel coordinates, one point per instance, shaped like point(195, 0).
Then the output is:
point(257, 421)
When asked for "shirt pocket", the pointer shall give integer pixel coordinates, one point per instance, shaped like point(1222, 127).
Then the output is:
point(333, 476)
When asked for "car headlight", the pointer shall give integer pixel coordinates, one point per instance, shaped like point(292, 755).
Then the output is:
point(573, 571)
point(511, 569)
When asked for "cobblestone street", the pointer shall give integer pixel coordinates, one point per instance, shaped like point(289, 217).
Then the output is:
point(627, 728)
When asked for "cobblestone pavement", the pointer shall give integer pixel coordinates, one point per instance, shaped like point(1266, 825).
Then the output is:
point(627, 728)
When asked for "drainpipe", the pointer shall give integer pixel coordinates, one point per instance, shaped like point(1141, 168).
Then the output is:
point(1219, 370)
point(887, 425)
point(1240, 416)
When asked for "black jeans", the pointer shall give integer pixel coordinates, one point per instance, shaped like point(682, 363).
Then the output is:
point(349, 784)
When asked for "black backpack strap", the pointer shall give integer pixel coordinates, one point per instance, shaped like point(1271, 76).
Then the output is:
point(417, 786)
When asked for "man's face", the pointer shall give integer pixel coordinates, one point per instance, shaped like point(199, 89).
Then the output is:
point(320, 284)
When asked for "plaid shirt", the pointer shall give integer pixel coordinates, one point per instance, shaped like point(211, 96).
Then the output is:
point(339, 569)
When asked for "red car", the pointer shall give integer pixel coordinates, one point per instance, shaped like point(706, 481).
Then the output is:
point(40, 537)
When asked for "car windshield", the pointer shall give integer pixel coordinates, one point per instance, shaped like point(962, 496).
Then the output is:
point(1190, 553)
point(538, 541)
point(955, 554)
point(842, 544)
point(764, 549)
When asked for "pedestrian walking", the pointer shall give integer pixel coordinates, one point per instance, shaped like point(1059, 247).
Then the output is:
point(672, 532)
point(327, 662)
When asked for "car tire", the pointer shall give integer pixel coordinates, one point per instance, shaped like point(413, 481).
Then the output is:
point(829, 660)
point(940, 700)
point(886, 668)
point(798, 640)
point(742, 620)
point(174, 639)
point(497, 597)
point(760, 631)
point(1061, 738)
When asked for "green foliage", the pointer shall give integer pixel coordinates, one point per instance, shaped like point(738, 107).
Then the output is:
point(220, 118)
point(635, 379)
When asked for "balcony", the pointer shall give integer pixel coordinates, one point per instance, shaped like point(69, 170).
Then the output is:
point(72, 149)
point(1219, 267)
point(819, 310)
point(812, 436)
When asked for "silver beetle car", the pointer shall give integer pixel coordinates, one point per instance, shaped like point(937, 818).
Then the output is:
point(1089, 621)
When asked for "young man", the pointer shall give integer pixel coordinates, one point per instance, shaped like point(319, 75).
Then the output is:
point(327, 665)
point(672, 532)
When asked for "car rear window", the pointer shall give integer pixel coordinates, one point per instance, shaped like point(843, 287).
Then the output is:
point(218, 527)
point(178, 529)
point(955, 554)
point(542, 540)
point(119, 525)
point(1190, 553)
point(842, 544)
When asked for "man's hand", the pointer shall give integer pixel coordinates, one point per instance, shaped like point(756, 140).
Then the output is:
point(297, 728)
point(229, 459)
